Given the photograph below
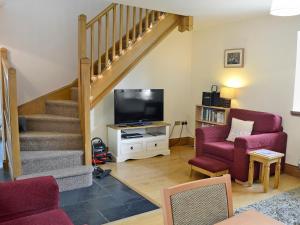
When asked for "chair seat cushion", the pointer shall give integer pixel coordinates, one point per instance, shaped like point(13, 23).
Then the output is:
point(209, 164)
point(52, 217)
point(220, 149)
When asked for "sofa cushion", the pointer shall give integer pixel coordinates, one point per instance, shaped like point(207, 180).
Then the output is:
point(52, 217)
point(263, 122)
point(220, 149)
point(208, 163)
point(239, 128)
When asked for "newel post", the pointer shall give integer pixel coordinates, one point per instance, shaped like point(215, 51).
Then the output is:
point(85, 94)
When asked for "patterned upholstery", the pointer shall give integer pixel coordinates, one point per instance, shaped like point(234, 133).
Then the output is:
point(200, 206)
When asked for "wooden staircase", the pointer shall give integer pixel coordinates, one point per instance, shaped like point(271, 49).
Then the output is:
point(109, 46)
point(124, 35)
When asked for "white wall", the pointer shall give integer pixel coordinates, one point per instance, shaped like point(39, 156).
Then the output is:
point(167, 67)
point(41, 36)
point(267, 79)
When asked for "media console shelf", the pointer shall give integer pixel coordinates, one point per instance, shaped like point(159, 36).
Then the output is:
point(154, 141)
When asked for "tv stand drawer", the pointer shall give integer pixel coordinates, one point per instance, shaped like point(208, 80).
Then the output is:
point(130, 148)
point(155, 145)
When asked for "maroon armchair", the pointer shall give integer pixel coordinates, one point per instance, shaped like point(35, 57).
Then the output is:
point(267, 133)
point(31, 202)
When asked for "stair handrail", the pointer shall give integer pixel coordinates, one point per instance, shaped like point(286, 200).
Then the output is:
point(9, 111)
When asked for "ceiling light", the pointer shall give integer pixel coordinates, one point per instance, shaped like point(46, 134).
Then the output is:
point(285, 8)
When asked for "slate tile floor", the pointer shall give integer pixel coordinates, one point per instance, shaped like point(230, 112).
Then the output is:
point(106, 200)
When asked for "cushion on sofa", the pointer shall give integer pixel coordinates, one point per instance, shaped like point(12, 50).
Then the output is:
point(263, 122)
point(220, 149)
point(52, 217)
point(239, 128)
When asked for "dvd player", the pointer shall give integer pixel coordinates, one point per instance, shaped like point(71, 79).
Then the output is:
point(132, 135)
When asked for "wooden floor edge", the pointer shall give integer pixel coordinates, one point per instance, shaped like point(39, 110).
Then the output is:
point(292, 170)
point(37, 105)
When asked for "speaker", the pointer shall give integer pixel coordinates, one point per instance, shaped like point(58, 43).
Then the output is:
point(206, 98)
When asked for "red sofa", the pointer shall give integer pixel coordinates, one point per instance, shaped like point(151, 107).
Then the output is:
point(267, 133)
point(31, 202)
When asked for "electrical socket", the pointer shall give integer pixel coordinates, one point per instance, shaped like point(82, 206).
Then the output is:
point(177, 123)
point(184, 122)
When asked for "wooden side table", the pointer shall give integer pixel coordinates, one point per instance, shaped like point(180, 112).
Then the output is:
point(265, 158)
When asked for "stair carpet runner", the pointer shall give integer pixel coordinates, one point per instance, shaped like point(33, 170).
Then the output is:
point(52, 145)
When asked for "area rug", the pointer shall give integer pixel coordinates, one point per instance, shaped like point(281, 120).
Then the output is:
point(283, 207)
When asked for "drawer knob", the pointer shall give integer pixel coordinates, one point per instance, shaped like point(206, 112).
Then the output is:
point(131, 148)
point(155, 145)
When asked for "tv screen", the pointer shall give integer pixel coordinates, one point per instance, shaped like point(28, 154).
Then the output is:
point(138, 105)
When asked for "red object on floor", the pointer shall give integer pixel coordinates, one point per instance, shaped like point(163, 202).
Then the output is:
point(31, 201)
point(209, 164)
point(267, 133)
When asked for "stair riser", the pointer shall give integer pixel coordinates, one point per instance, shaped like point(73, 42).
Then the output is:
point(74, 182)
point(42, 144)
point(62, 110)
point(43, 165)
point(74, 94)
point(61, 126)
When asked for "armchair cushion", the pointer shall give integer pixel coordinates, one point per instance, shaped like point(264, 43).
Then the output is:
point(27, 197)
point(239, 128)
point(52, 217)
point(220, 149)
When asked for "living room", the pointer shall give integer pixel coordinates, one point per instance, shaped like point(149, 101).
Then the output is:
point(183, 65)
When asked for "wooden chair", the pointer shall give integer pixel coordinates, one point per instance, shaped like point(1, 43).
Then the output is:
point(204, 202)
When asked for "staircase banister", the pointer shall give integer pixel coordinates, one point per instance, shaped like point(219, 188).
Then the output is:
point(105, 11)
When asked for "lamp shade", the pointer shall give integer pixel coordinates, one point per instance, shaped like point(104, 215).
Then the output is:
point(227, 92)
point(285, 7)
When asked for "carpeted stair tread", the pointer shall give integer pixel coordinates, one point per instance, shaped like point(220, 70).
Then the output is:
point(68, 108)
point(35, 155)
point(41, 161)
point(61, 173)
point(45, 141)
point(50, 117)
point(68, 178)
point(51, 123)
point(62, 102)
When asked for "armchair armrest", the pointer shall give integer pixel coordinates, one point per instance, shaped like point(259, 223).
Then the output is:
point(243, 145)
point(27, 197)
point(210, 134)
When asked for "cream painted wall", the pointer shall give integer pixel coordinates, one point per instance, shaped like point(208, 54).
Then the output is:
point(267, 79)
point(41, 36)
point(167, 67)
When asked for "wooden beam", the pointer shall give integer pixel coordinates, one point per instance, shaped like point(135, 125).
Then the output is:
point(92, 49)
point(106, 39)
point(114, 32)
point(99, 45)
point(121, 30)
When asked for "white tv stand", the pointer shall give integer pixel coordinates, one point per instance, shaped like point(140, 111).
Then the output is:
point(155, 141)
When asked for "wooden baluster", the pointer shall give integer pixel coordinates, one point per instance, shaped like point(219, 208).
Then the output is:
point(107, 62)
point(121, 31)
point(157, 15)
point(92, 51)
point(127, 26)
point(147, 20)
point(114, 32)
point(99, 45)
point(134, 24)
point(152, 18)
point(141, 23)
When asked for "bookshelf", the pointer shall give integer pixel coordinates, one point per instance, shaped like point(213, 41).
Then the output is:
point(210, 115)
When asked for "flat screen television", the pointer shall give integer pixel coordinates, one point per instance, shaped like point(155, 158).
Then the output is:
point(138, 105)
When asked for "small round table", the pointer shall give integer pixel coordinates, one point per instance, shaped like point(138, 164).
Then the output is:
point(265, 158)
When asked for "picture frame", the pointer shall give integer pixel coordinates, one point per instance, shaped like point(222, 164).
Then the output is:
point(234, 58)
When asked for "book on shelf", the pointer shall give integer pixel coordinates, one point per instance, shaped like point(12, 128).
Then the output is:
point(213, 115)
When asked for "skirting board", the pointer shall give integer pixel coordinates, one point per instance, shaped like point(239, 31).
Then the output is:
point(181, 141)
point(292, 170)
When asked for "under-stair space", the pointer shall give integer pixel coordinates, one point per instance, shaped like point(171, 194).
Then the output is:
point(51, 144)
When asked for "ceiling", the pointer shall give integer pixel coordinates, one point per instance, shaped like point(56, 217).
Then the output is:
point(208, 12)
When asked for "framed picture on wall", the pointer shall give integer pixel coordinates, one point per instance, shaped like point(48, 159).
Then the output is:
point(234, 58)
